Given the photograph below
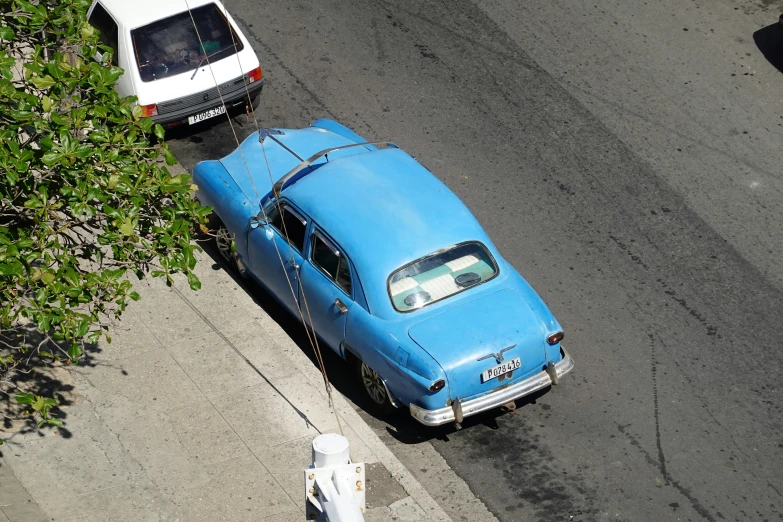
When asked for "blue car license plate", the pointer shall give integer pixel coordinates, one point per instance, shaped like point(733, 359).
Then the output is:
point(500, 369)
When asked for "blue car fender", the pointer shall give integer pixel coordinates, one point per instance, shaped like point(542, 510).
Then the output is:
point(339, 129)
point(541, 310)
point(407, 369)
point(218, 190)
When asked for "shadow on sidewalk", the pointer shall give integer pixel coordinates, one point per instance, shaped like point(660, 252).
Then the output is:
point(38, 375)
point(769, 40)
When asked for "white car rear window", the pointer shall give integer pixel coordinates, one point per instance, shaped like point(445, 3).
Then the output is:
point(171, 46)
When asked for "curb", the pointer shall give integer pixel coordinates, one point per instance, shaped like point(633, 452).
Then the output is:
point(348, 416)
point(354, 421)
point(406, 479)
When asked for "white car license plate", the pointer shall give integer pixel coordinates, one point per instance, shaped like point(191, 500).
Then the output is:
point(211, 113)
point(500, 369)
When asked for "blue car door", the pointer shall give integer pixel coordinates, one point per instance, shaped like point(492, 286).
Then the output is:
point(326, 285)
point(272, 259)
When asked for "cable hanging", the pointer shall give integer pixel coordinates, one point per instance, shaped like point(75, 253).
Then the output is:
point(310, 331)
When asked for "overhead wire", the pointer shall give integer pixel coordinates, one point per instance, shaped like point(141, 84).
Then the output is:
point(312, 337)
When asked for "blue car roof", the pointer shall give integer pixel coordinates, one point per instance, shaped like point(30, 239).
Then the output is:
point(381, 206)
point(385, 210)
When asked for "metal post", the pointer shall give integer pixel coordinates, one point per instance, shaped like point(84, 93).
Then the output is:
point(334, 486)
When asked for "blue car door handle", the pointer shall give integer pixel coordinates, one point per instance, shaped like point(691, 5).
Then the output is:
point(292, 264)
point(341, 306)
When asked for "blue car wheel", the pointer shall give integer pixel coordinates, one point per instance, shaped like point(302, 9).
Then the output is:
point(375, 388)
point(224, 244)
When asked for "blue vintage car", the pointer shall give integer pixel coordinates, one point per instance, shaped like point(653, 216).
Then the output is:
point(399, 277)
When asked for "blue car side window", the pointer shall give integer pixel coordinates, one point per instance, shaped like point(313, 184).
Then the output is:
point(331, 262)
point(288, 223)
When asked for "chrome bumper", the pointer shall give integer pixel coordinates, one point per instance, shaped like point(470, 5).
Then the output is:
point(495, 398)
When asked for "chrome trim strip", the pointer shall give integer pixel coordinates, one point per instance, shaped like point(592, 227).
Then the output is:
point(392, 399)
point(268, 133)
point(498, 356)
point(494, 399)
point(278, 187)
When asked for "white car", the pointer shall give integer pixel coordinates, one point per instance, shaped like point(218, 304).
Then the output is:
point(167, 51)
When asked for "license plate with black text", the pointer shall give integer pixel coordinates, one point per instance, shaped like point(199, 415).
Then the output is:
point(500, 369)
point(211, 113)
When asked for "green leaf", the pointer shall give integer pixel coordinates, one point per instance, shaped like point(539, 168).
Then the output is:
point(46, 103)
point(159, 131)
point(25, 398)
point(84, 329)
point(54, 422)
point(6, 33)
point(146, 125)
point(43, 82)
point(74, 352)
point(12, 177)
point(38, 403)
point(193, 281)
point(134, 295)
point(44, 321)
point(47, 278)
point(126, 227)
point(50, 158)
point(170, 159)
point(12, 268)
point(88, 31)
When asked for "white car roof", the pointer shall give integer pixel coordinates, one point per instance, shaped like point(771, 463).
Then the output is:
point(137, 13)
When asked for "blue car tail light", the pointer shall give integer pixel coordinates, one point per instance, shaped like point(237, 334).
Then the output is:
point(555, 338)
point(437, 385)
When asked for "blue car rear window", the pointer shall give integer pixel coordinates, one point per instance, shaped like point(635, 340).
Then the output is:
point(440, 275)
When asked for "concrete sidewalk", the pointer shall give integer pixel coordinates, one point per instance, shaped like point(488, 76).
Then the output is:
point(202, 408)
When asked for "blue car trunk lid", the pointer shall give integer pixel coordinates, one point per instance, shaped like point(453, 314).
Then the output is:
point(462, 334)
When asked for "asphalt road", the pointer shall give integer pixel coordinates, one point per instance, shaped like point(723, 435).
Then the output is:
point(626, 158)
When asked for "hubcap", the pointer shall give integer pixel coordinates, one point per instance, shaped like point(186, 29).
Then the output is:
point(373, 384)
point(223, 241)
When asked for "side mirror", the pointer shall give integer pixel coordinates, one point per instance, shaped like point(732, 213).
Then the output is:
point(257, 221)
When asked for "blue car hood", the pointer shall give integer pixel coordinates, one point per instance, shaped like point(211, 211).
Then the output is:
point(462, 334)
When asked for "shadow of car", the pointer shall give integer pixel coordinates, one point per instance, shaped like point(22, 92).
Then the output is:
point(388, 266)
point(769, 41)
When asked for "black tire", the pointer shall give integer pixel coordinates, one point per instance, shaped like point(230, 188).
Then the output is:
point(375, 388)
point(224, 243)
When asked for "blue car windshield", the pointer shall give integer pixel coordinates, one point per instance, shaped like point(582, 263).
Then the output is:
point(440, 275)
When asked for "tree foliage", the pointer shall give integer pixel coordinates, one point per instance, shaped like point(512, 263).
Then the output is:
point(85, 200)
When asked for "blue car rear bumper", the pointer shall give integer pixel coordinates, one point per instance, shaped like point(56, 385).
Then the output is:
point(495, 398)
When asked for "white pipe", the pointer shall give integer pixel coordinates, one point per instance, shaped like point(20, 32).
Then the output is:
point(330, 449)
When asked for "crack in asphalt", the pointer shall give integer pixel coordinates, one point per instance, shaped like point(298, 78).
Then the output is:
point(654, 371)
point(685, 492)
